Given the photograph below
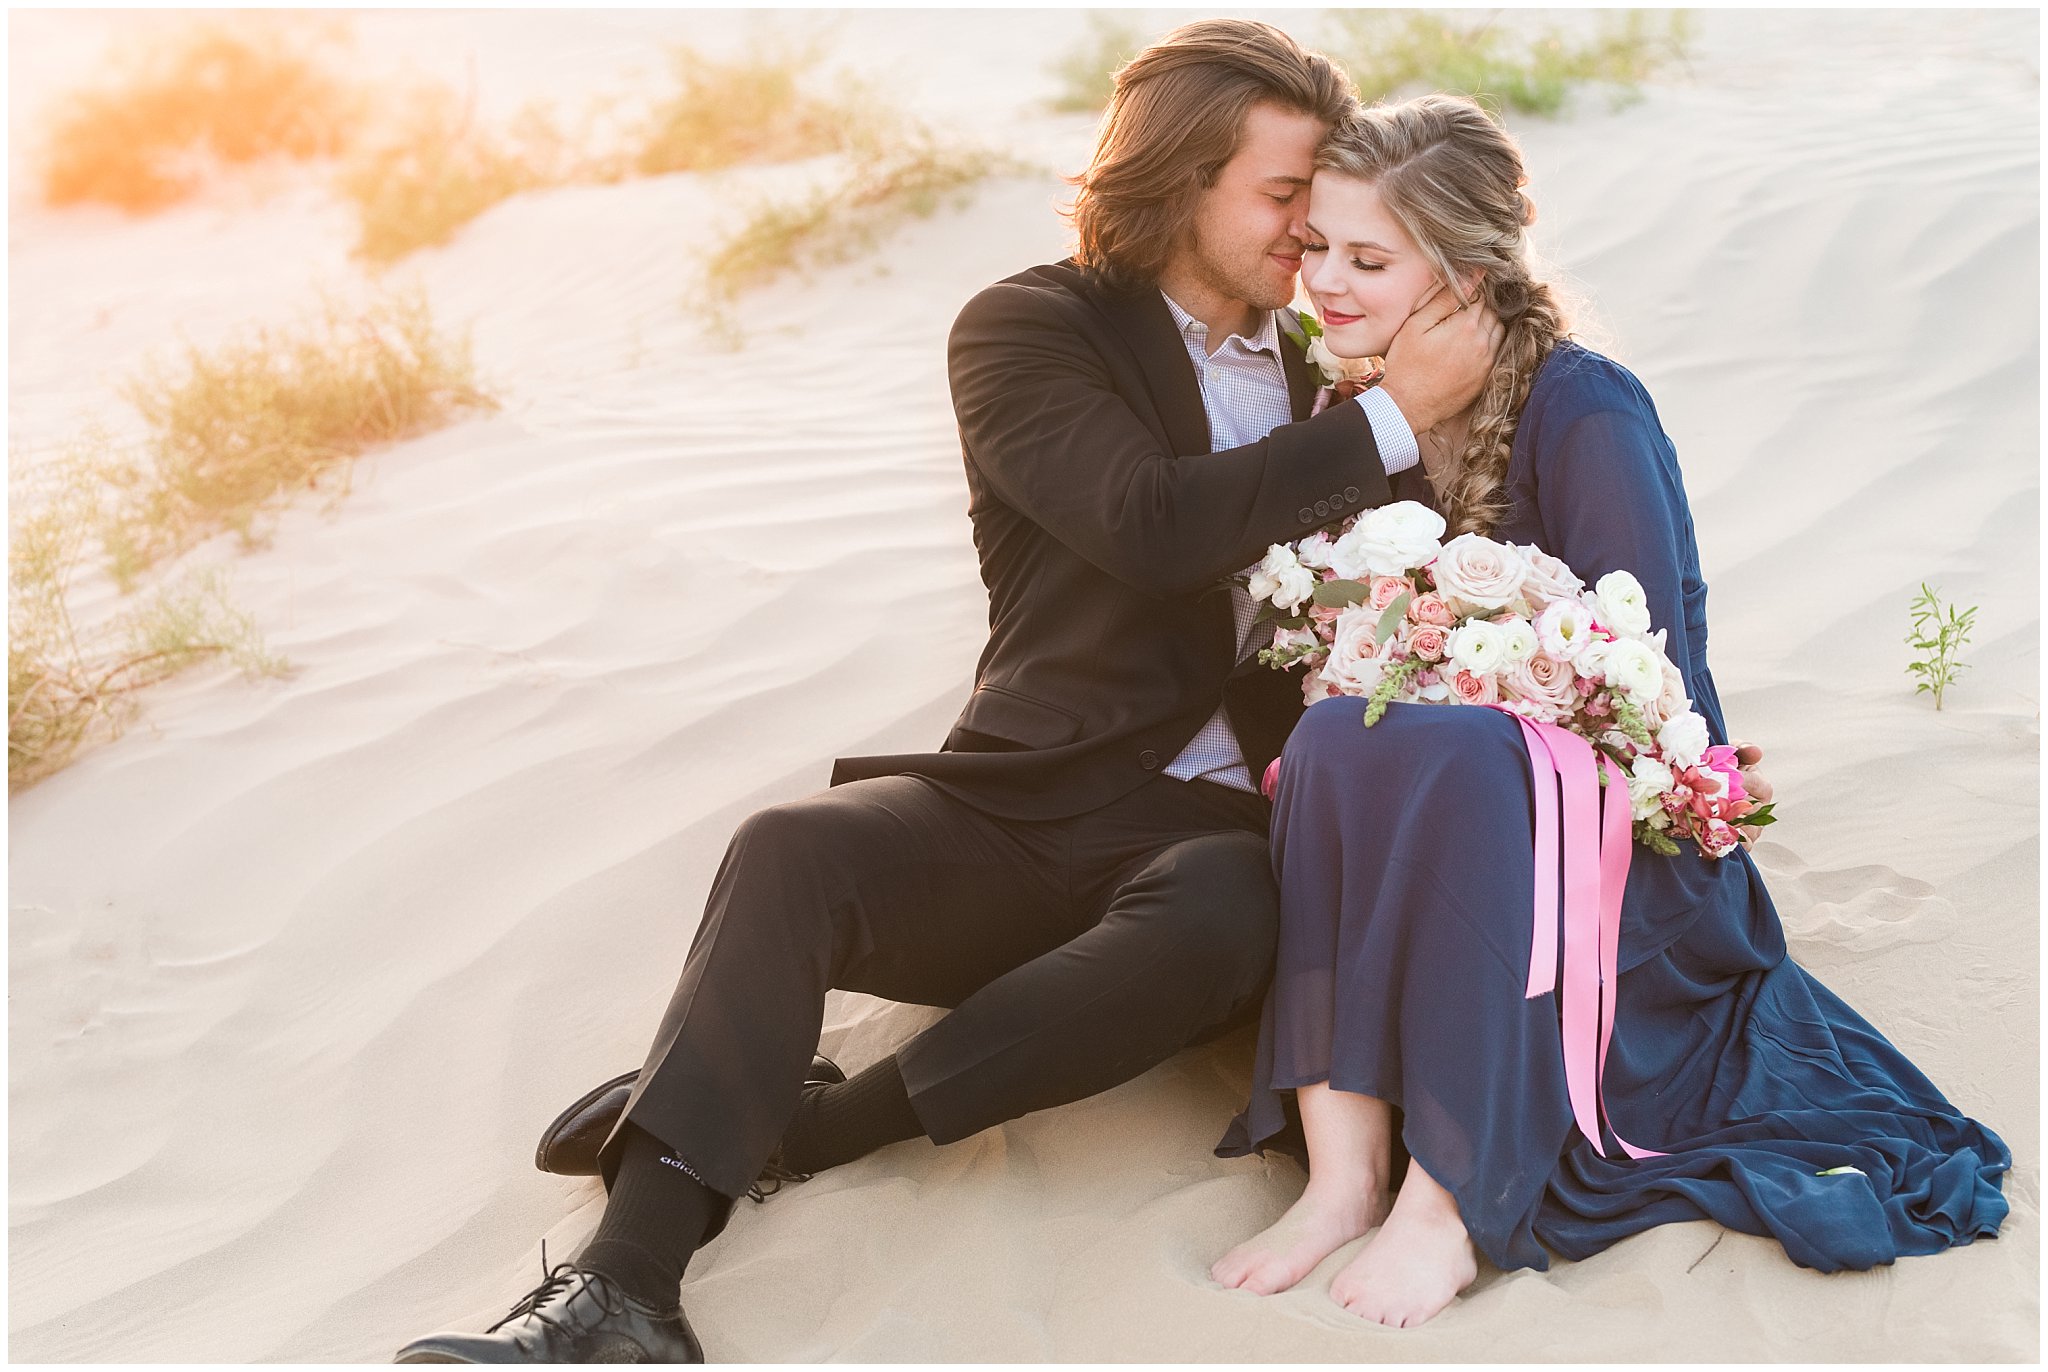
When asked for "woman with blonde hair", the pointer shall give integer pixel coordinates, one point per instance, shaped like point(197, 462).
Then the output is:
point(1753, 1095)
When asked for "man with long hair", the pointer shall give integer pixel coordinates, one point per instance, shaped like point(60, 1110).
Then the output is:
point(1081, 874)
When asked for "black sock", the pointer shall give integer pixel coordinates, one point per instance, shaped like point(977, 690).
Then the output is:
point(653, 1221)
point(850, 1119)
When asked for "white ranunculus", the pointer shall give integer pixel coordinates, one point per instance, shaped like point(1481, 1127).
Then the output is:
point(1297, 586)
point(1347, 554)
point(1314, 551)
point(1520, 638)
point(1634, 669)
point(1478, 647)
point(1389, 541)
point(1624, 607)
point(1592, 658)
point(1683, 739)
point(1480, 572)
point(1265, 577)
point(1563, 629)
point(1648, 782)
point(1282, 579)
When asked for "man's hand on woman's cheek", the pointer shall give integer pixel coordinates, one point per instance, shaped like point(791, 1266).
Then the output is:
point(1439, 361)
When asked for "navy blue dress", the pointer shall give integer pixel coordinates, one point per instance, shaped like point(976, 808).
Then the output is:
point(1405, 866)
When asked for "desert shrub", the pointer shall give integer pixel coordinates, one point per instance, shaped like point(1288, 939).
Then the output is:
point(756, 108)
point(66, 686)
point(228, 432)
point(905, 178)
point(436, 168)
point(1506, 66)
point(278, 410)
point(166, 114)
point(1087, 71)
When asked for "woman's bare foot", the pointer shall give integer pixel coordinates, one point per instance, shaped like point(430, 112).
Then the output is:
point(1418, 1262)
point(1322, 1221)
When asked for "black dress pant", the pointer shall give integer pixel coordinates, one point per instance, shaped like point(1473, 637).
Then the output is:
point(1073, 954)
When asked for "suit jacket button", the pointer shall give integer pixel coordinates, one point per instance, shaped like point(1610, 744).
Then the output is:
point(1322, 509)
point(1351, 492)
point(1306, 515)
point(1336, 502)
point(1148, 760)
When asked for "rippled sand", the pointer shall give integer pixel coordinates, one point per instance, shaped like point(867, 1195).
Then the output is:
point(298, 969)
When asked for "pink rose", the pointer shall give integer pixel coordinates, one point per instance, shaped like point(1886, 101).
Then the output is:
point(1480, 572)
point(1324, 615)
point(1314, 687)
point(1429, 608)
point(1545, 682)
point(1547, 579)
point(1426, 641)
point(1354, 667)
point(1383, 591)
point(1671, 702)
point(1475, 690)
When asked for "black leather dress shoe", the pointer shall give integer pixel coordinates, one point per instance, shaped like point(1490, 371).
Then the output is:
point(569, 1146)
point(573, 1316)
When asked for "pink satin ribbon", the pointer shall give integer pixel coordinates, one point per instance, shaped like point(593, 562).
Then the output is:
point(1594, 842)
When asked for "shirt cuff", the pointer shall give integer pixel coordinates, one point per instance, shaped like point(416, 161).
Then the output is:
point(1398, 449)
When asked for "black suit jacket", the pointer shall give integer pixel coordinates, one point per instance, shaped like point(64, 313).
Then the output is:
point(1105, 528)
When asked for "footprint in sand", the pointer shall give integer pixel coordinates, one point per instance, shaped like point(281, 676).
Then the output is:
point(1859, 910)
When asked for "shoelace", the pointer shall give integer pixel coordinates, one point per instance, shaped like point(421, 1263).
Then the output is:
point(556, 1280)
point(774, 1175)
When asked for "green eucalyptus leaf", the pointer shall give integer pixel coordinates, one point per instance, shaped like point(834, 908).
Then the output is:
point(1391, 616)
point(1335, 595)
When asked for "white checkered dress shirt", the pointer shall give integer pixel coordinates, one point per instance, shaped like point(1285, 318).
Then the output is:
point(1244, 393)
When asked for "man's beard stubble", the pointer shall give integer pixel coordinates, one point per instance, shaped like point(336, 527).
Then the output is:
point(1249, 282)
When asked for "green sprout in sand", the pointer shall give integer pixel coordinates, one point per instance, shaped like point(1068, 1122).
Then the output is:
point(1938, 635)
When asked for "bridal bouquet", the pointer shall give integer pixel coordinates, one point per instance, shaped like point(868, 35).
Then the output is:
point(1386, 611)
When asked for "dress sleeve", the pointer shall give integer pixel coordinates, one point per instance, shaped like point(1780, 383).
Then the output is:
point(1610, 499)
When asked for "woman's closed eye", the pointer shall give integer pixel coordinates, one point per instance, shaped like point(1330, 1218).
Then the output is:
point(1355, 263)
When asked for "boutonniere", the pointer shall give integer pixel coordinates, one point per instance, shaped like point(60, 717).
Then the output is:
point(1337, 378)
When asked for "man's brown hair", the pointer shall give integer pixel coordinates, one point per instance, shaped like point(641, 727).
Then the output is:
point(1177, 116)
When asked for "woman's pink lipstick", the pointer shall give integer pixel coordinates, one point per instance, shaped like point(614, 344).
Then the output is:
point(1332, 317)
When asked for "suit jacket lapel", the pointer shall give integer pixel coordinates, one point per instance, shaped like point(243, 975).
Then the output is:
point(1301, 384)
point(1141, 318)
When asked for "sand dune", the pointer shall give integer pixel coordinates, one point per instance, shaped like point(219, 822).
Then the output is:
point(299, 968)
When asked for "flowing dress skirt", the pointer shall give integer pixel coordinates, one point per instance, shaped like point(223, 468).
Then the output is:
point(1404, 858)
